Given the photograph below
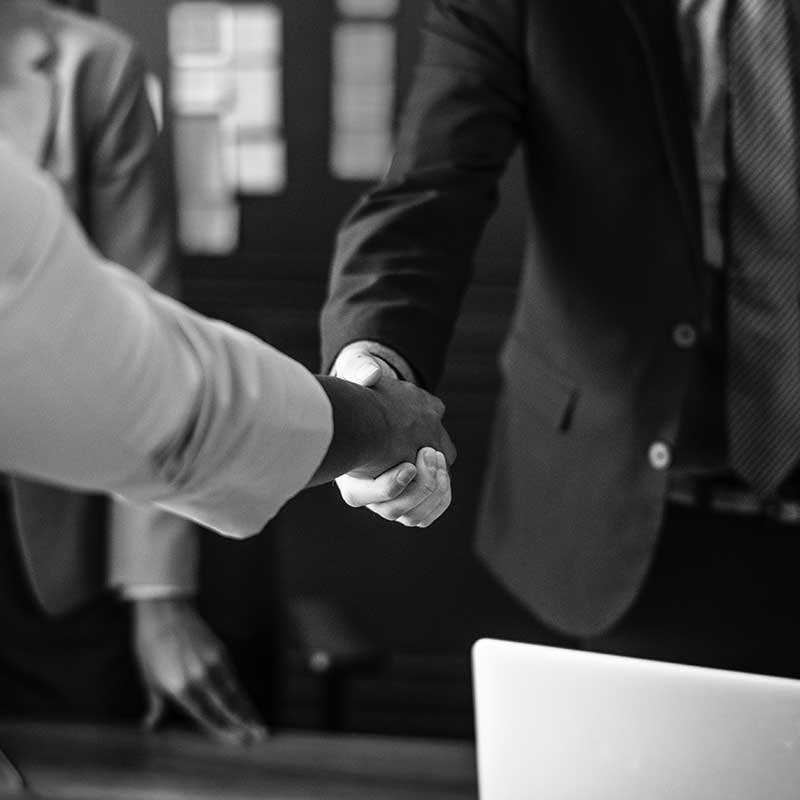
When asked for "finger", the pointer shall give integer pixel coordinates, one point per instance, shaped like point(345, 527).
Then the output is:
point(359, 492)
point(360, 368)
point(436, 503)
point(154, 710)
point(235, 701)
point(419, 491)
point(428, 512)
point(218, 689)
point(197, 704)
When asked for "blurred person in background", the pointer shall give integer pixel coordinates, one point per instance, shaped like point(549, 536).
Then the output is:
point(97, 618)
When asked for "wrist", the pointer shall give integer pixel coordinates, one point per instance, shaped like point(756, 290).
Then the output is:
point(360, 428)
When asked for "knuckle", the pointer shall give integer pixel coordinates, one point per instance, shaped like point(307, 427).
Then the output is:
point(428, 485)
point(379, 510)
point(389, 511)
point(391, 492)
point(347, 495)
point(412, 518)
point(393, 515)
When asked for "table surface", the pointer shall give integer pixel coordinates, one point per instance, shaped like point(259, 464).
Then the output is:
point(81, 762)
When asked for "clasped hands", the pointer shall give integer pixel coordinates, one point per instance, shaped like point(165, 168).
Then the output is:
point(413, 493)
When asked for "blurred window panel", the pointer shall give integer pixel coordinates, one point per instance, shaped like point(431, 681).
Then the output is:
point(258, 99)
point(226, 95)
point(200, 170)
point(374, 9)
point(202, 90)
point(360, 156)
point(208, 219)
point(362, 108)
point(258, 34)
point(210, 229)
point(200, 34)
point(261, 165)
point(363, 52)
point(363, 88)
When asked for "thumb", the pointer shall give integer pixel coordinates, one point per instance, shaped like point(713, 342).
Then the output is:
point(155, 709)
point(362, 369)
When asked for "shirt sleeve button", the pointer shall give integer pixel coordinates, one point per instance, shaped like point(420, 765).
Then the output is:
point(684, 335)
point(660, 455)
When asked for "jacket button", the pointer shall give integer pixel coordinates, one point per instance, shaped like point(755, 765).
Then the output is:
point(660, 455)
point(684, 335)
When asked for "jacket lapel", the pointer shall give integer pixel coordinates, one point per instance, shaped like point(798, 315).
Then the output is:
point(27, 91)
point(655, 22)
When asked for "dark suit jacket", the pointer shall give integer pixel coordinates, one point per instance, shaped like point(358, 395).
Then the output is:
point(72, 99)
point(594, 91)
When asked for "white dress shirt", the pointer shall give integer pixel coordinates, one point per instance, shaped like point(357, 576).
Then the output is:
point(701, 29)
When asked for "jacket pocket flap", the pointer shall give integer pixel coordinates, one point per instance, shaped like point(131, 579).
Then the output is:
point(539, 386)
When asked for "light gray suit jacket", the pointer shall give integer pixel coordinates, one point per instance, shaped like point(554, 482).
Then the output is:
point(73, 100)
point(126, 391)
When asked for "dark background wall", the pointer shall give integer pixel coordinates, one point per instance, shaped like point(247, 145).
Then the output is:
point(421, 596)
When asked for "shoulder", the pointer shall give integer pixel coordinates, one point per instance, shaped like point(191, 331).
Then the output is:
point(96, 64)
point(93, 58)
point(86, 37)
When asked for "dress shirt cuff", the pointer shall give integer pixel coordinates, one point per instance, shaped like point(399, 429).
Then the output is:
point(151, 550)
point(136, 594)
point(399, 364)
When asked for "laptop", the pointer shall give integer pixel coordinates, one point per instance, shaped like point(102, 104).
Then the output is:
point(558, 724)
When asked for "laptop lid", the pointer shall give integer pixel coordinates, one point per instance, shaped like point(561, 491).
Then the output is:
point(558, 724)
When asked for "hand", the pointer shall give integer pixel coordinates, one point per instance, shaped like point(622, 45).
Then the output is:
point(183, 661)
point(405, 419)
point(415, 495)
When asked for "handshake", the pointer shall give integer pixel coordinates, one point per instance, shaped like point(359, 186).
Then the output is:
point(403, 451)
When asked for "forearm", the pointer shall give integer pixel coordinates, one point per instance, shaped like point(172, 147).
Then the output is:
point(404, 256)
point(359, 429)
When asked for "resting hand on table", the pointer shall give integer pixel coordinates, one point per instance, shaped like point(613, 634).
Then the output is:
point(415, 494)
point(183, 661)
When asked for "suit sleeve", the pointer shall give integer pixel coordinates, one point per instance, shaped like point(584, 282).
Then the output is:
point(405, 254)
point(128, 218)
point(110, 386)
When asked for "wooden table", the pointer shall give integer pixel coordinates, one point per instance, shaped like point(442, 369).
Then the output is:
point(70, 762)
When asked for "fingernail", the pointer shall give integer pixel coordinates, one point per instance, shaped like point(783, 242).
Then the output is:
point(367, 371)
point(441, 460)
point(406, 475)
point(429, 457)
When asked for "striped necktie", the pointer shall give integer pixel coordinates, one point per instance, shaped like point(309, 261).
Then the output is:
point(764, 217)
